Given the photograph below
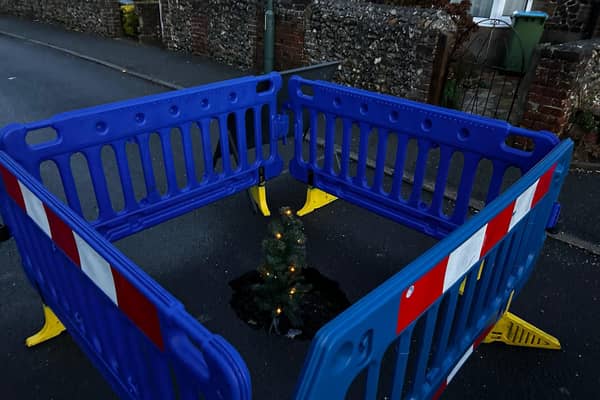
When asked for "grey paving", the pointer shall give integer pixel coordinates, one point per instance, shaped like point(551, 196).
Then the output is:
point(37, 82)
point(580, 200)
point(176, 68)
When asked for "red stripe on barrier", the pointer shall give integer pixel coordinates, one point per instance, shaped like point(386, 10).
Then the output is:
point(62, 235)
point(138, 308)
point(423, 293)
point(438, 393)
point(483, 335)
point(497, 228)
point(543, 186)
point(12, 187)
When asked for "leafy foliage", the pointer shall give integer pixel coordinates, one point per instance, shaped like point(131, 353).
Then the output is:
point(584, 130)
point(130, 19)
point(586, 120)
point(283, 283)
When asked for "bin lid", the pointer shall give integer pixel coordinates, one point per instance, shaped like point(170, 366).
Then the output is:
point(530, 14)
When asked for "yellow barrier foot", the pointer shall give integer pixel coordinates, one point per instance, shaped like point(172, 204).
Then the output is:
point(259, 195)
point(52, 328)
point(514, 331)
point(315, 198)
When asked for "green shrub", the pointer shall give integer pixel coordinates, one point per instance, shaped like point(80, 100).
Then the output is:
point(129, 19)
point(586, 120)
point(451, 95)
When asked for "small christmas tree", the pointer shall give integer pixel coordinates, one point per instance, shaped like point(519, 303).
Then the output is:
point(282, 287)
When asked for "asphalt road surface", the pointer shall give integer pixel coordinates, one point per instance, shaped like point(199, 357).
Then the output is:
point(562, 297)
point(36, 83)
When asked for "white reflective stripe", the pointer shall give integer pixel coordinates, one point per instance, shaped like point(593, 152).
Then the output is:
point(522, 205)
point(459, 364)
point(35, 209)
point(464, 257)
point(96, 268)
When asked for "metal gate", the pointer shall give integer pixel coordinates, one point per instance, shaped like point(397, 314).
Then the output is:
point(479, 81)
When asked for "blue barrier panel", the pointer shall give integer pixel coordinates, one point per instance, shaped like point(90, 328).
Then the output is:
point(503, 240)
point(135, 332)
point(201, 114)
point(409, 337)
point(476, 138)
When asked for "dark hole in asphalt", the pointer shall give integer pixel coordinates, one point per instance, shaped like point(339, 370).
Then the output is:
point(320, 305)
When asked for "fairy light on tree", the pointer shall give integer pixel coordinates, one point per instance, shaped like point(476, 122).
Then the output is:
point(282, 285)
point(284, 295)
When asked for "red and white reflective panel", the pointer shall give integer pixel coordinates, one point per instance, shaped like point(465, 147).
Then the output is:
point(110, 281)
point(96, 268)
point(434, 283)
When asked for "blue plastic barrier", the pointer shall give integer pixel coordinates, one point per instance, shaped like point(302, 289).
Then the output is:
point(138, 335)
point(133, 122)
point(418, 318)
point(452, 132)
point(141, 338)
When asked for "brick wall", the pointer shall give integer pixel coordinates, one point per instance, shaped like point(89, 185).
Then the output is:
point(178, 23)
point(225, 30)
point(232, 31)
point(149, 17)
point(200, 43)
point(97, 16)
point(289, 35)
point(595, 20)
point(568, 20)
point(566, 75)
point(386, 49)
